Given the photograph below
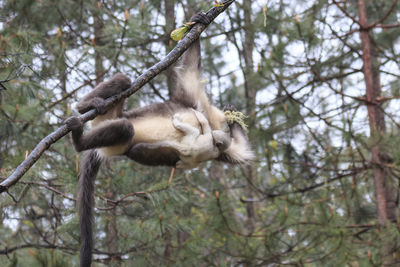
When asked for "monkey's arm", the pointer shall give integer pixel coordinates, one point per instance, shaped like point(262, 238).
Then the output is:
point(166, 153)
point(95, 99)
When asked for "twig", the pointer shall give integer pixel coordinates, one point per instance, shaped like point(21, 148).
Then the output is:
point(171, 58)
point(379, 21)
point(346, 13)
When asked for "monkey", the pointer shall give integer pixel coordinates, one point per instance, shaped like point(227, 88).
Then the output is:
point(195, 147)
point(141, 133)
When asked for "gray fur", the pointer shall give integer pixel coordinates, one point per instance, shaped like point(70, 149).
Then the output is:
point(153, 154)
point(95, 99)
point(89, 167)
point(112, 133)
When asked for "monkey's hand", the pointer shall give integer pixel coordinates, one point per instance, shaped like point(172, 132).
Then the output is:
point(200, 18)
point(74, 124)
point(96, 103)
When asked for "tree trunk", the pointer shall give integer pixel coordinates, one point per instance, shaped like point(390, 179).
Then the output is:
point(384, 190)
point(375, 115)
point(250, 91)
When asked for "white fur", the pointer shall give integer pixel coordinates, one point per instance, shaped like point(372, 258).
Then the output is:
point(240, 151)
point(110, 151)
point(194, 147)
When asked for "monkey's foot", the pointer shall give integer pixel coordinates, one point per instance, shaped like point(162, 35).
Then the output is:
point(74, 123)
point(96, 103)
point(200, 18)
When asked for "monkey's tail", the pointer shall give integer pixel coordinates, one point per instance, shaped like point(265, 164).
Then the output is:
point(89, 168)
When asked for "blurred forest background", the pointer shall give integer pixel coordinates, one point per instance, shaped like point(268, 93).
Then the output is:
point(319, 81)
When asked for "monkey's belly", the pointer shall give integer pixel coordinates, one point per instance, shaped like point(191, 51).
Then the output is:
point(159, 129)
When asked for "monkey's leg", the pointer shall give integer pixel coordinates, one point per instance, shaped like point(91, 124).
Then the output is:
point(161, 153)
point(95, 99)
point(188, 89)
point(108, 133)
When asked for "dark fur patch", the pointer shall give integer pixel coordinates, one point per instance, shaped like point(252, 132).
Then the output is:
point(200, 18)
point(114, 86)
point(235, 129)
point(89, 168)
point(153, 155)
point(115, 132)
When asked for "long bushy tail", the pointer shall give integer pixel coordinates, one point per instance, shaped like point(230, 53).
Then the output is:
point(89, 167)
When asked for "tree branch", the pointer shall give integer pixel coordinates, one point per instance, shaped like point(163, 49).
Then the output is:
point(149, 74)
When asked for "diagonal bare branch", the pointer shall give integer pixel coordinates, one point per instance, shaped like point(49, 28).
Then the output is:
point(149, 74)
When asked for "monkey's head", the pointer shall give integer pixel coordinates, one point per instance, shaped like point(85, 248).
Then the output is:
point(222, 140)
